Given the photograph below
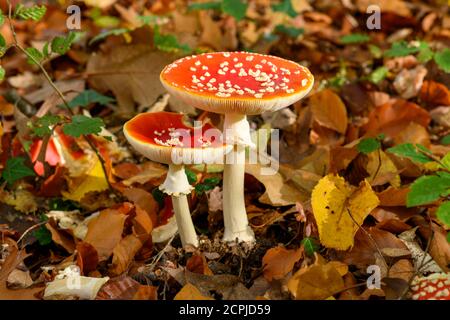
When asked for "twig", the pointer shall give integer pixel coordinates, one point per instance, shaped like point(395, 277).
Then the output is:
point(30, 229)
point(56, 89)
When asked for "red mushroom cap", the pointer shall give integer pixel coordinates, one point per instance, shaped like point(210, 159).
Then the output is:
point(160, 135)
point(433, 287)
point(237, 82)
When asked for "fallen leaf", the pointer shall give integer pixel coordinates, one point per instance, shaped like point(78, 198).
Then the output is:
point(402, 269)
point(279, 261)
point(87, 257)
point(329, 110)
point(435, 93)
point(105, 240)
point(409, 81)
point(190, 292)
point(333, 201)
point(124, 253)
point(198, 264)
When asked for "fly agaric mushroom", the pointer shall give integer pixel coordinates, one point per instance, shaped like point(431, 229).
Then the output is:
point(236, 84)
point(164, 137)
point(434, 287)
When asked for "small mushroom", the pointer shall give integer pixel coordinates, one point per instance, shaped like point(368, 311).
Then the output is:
point(434, 287)
point(164, 137)
point(236, 84)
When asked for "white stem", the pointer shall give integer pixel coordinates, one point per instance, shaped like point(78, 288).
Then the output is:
point(184, 221)
point(177, 185)
point(235, 218)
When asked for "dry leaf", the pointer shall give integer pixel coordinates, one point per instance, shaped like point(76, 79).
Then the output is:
point(124, 253)
point(279, 261)
point(329, 110)
point(333, 201)
point(190, 292)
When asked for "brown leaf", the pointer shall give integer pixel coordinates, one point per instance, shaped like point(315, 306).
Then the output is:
point(61, 238)
point(87, 257)
point(392, 197)
point(105, 231)
point(392, 118)
point(124, 253)
point(402, 269)
point(435, 93)
point(190, 292)
point(329, 110)
point(279, 261)
point(197, 263)
point(145, 201)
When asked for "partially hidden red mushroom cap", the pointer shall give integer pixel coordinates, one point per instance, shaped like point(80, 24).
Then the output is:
point(237, 82)
point(161, 136)
point(433, 287)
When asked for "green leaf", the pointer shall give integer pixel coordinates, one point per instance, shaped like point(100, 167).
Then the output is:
point(286, 7)
point(158, 195)
point(442, 59)
point(310, 245)
point(30, 13)
point(192, 177)
point(408, 150)
point(2, 73)
point(62, 44)
point(446, 140)
point(168, 43)
point(207, 184)
point(427, 189)
point(378, 74)
point(42, 126)
point(443, 213)
point(2, 18)
point(15, 169)
point(216, 5)
point(355, 38)
point(107, 22)
point(88, 97)
point(425, 54)
point(113, 32)
point(83, 125)
point(368, 145)
point(375, 51)
point(401, 49)
point(34, 55)
point(290, 31)
point(43, 236)
point(235, 8)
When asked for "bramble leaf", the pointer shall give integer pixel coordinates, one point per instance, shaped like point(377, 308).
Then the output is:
point(15, 169)
point(88, 97)
point(62, 44)
point(34, 55)
point(408, 150)
point(30, 13)
point(290, 31)
point(42, 126)
point(168, 42)
point(83, 125)
point(401, 49)
point(378, 74)
point(355, 38)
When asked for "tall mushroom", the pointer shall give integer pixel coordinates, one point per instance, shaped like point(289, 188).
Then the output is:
point(237, 84)
point(164, 137)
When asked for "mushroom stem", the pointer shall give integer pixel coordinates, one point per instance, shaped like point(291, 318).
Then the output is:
point(237, 132)
point(177, 186)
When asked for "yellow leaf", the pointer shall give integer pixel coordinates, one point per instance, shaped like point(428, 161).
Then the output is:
point(333, 200)
point(316, 282)
point(190, 292)
point(382, 170)
point(93, 181)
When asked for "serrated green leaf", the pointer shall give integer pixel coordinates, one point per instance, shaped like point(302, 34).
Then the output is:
point(83, 125)
point(410, 151)
point(34, 55)
point(234, 8)
point(443, 213)
point(88, 97)
point(378, 74)
point(62, 44)
point(368, 145)
point(192, 177)
point(401, 49)
point(43, 236)
point(442, 59)
point(168, 43)
point(2, 73)
point(425, 54)
point(214, 5)
point(286, 7)
point(310, 245)
point(15, 169)
point(114, 32)
point(428, 189)
point(42, 126)
point(30, 13)
point(355, 38)
point(290, 31)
